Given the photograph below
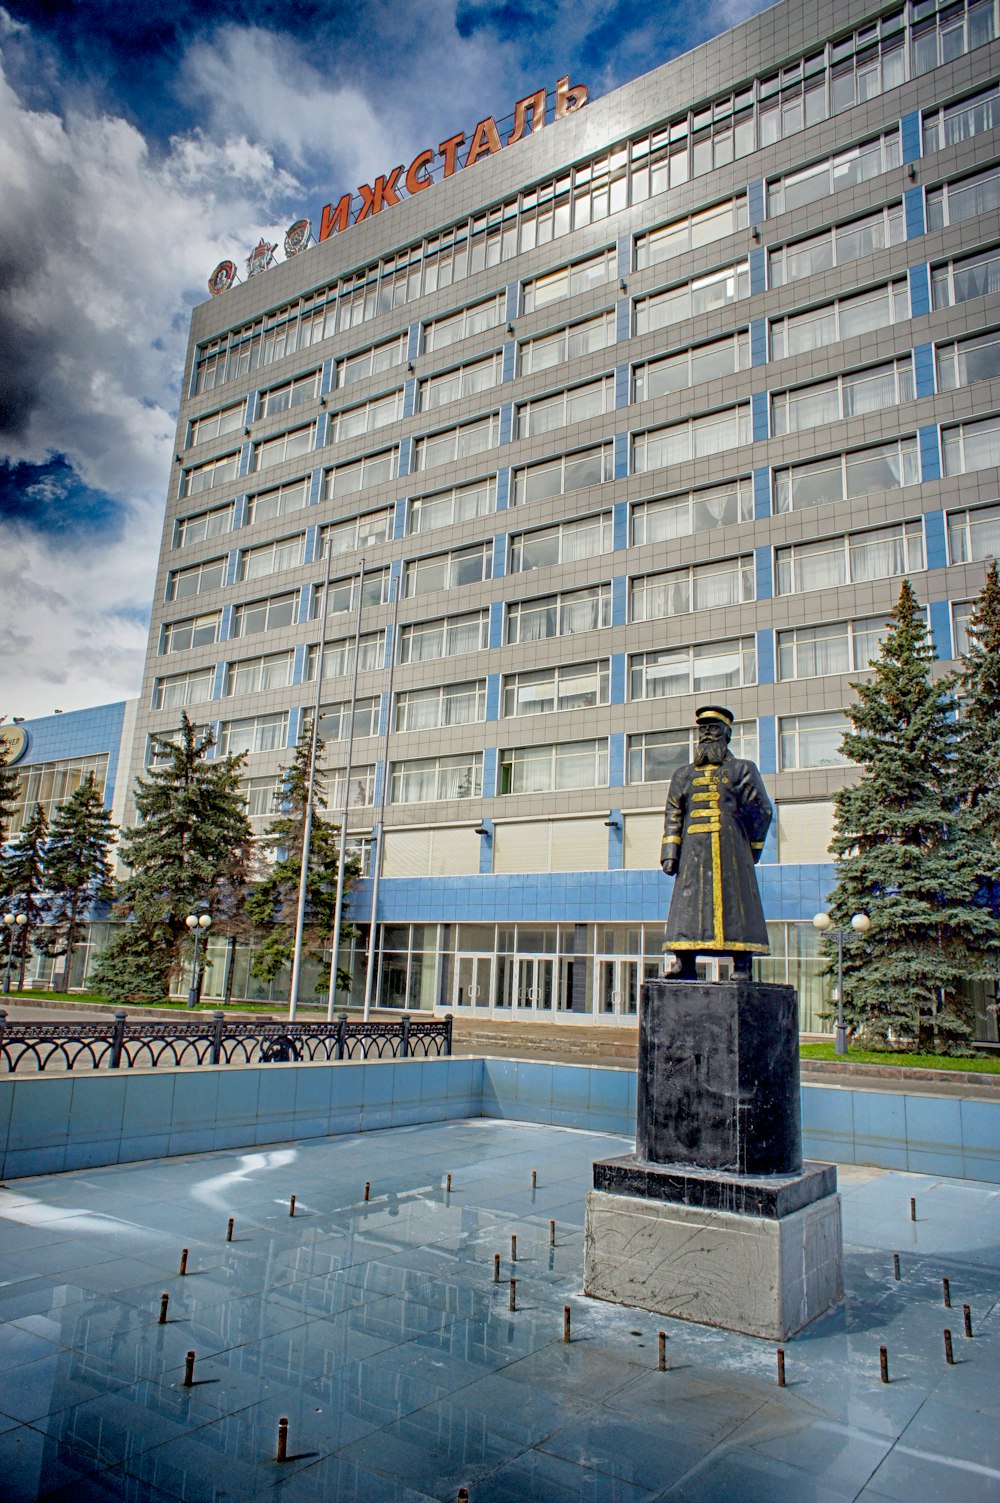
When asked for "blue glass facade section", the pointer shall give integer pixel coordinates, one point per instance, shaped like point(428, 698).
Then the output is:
point(616, 760)
point(294, 726)
point(935, 539)
point(306, 604)
point(327, 375)
point(767, 743)
point(506, 422)
point(503, 488)
point(623, 320)
point(940, 613)
point(620, 525)
point(489, 772)
point(617, 686)
point(619, 600)
point(761, 493)
point(390, 646)
point(409, 397)
point(513, 295)
point(913, 212)
point(758, 341)
point(765, 656)
point(499, 556)
point(77, 733)
point(240, 510)
point(493, 696)
point(509, 361)
point(246, 455)
point(299, 663)
point(762, 572)
point(413, 337)
point(621, 386)
point(759, 414)
point(920, 290)
point(621, 456)
point(252, 408)
point(756, 202)
point(405, 456)
point(911, 136)
point(315, 487)
point(233, 566)
point(399, 517)
point(311, 550)
point(383, 713)
point(226, 624)
point(219, 681)
point(616, 841)
point(496, 623)
point(923, 370)
point(758, 271)
point(323, 425)
point(623, 247)
point(379, 780)
point(930, 453)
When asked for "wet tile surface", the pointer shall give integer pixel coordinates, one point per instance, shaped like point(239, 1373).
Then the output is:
point(375, 1327)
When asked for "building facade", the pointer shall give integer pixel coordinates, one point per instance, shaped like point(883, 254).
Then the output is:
point(657, 404)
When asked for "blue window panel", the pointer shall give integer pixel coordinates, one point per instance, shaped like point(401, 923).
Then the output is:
point(232, 566)
point(761, 493)
point(328, 375)
point(513, 296)
point(489, 772)
point(312, 545)
point(306, 604)
point(913, 212)
point(383, 713)
point(315, 487)
point(923, 367)
point(390, 647)
point(920, 290)
point(621, 386)
point(616, 760)
point(935, 540)
point(493, 696)
point(623, 247)
point(506, 422)
point(758, 341)
point(496, 623)
point(399, 517)
point(509, 361)
point(765, 656)
point(240, 511)
point(499, 556)
point(252, 408)
point(486, 848)
point(758, 271)
point(621, 456)
point(767, 743)
point(215, 726)
point(219, 681)
point(762, 572)
point(911, 135)
point(620, 525)
point(226, 624)
point(323, 431)
point(623, 320)
point(619, 600)
point(246, 455)
point(503, 488)
point(405, 456)
point(294, 725)
point(379, 780)
point(944, 646)
point(616, 832)
point(756, 202)
point(409, 397)
point(759, 415)
point(413, 334)
point(617, 678)
point(930, 452)
point(299, 663)
point(395, 573)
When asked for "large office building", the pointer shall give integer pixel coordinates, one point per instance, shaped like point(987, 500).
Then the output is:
point(655, 405)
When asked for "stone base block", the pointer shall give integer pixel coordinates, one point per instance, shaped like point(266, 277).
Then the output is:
point(756, 1274)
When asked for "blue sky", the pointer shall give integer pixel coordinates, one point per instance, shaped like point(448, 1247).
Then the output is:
point(140, 145)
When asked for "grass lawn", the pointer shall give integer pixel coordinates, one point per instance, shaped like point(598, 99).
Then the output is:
point(981, 1064)
point(95, 999)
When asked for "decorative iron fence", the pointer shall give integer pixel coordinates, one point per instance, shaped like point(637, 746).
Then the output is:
point(148, 1044)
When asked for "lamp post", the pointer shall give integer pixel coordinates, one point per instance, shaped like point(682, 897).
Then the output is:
point(196, 922)
point(20, 921)
point(860, 923)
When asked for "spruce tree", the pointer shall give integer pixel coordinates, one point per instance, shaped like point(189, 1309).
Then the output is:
point(273, 902)
point(191, 819)
point(78, 870)
point(978, 767)
point(22, 879)
point(904, 855)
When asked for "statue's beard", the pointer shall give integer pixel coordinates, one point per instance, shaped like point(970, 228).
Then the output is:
point(711, 752)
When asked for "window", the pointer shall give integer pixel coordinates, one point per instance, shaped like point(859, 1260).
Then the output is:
point(568, 281)
point(964, 199)
point(942, 37)
point(561, 615)
point(197, 631)
point(432, 779)
point(442, 705)
point(215, 424)
point(974, 535)
point(263, 615)
point(654, 756)
point(960, 122)
point(355, 422)
point(847, 168)
point(703, 669)
point(961, 621)
point(335, 720)
point(844, 318)
point(971, 276)
point(284, 447)
point(563, 345)
point(837, 246)
point(442, 332)
point(860, 473)
point(157, 753)
point(360, 794)
point(261, 797)
point(543, 414)
point(971, 446)
point(460, 503)
point(52, 783)
point(695, 438)
point(283, 398)
point(200, 578)
point(447, 571)
point(567, 472)
point(279, 502)
point(688, 233)
point(809, 741)
point(870, 390)
point(699, 587)
point(344, 479)
point(183, 689)
point(203, 525)
point(258, 733)
point(563, 544)
point(271, 558)
point(338, 658)
point(344, 593)
point(572, 686)
point(372, 362)
point(368, 531)
point(464, 381)
point(841, 647)
point(884, 553)
point(549, 769)
point(254, 675)
point(706, 362)
point(703, 295)
point(694, 511)
point(447, 637)
point(968, 360)
point(203, 476)
point(457, 443)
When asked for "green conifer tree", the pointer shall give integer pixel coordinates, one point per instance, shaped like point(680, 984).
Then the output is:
point(22, 879)
point(8, 793)
point(78, 871)
point(904, 855)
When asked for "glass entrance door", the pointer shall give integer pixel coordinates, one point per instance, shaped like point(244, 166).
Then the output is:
point(473, 980)
point(618, 982)
point(535, 984)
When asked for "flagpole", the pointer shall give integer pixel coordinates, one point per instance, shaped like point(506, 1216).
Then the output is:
point(339, 907)
point(380, 810)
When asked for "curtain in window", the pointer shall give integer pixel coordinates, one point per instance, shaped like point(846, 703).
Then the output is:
point(879, 558)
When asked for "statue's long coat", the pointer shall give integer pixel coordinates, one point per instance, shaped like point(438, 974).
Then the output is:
point(718, 817)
